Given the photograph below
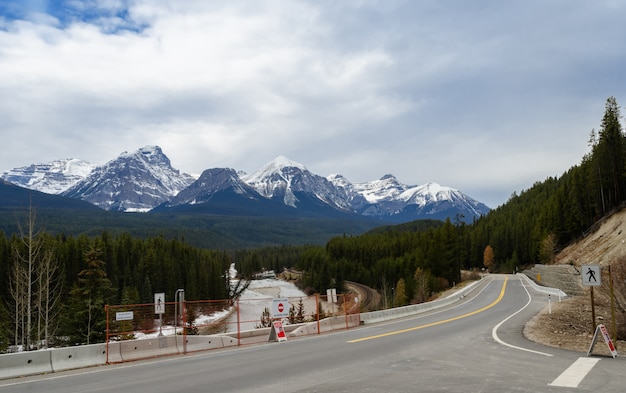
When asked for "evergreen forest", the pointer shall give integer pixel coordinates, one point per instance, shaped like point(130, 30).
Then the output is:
point(55, 285)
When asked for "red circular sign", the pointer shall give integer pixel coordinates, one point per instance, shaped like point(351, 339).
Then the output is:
point(280, 307)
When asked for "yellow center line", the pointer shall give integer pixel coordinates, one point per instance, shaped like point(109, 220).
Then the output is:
point(438, 322)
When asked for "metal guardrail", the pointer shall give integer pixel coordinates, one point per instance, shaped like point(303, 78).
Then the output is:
point(539, 288)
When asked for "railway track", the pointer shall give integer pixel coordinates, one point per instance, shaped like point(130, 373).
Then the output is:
point(369, 298)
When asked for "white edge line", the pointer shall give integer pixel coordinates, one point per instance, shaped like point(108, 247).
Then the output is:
point(494, 331)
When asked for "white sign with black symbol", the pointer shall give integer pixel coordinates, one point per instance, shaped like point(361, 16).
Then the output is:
point(159, 303)
point(591, 275)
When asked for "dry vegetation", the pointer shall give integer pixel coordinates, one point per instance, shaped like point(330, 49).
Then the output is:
point(569, 325)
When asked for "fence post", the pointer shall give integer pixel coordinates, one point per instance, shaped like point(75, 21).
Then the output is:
point(238, 324)
point(317, 312)
point(184, 312)
point(106, 345)
point(345, 310)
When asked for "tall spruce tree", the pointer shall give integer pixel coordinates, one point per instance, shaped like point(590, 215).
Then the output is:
point(90, 293)
point(609, 156)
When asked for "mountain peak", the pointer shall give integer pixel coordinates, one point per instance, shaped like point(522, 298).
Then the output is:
point(135, 181)
point(150, 154)
point(284, 162)
point(275, 168)
point(53, 177)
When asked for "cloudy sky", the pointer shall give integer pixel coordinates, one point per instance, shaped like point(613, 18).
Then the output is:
point(487, 97)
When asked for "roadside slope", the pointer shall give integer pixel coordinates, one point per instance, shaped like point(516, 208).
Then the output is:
point(569, 325)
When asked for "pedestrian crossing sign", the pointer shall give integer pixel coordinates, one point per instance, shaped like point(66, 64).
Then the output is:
point(591, 275)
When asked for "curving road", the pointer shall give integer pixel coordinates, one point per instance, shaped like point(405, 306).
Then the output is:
point(474, 346)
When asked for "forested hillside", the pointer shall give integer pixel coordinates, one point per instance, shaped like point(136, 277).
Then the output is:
point(530, 228)
point(57, 286)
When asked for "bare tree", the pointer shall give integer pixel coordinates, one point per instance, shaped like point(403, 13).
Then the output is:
point(34, 284)
point(48, 297)
point(16, 287)
point(422, 285)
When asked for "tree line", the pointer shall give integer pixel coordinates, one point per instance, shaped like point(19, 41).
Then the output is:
point(536, 223)
point(55, 287)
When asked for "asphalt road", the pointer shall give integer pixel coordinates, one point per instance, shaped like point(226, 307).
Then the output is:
point(475, 346)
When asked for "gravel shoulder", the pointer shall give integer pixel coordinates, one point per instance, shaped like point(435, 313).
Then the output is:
point(569, 326)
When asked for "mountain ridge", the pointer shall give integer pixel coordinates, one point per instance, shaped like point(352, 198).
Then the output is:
point(144, 180)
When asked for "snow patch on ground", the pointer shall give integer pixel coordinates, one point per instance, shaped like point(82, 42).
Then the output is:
point(253, 301)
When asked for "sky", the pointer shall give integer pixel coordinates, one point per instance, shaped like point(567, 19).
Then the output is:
point(484, 96)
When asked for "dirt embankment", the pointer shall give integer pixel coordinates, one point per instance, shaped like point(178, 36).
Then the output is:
point(570, 324)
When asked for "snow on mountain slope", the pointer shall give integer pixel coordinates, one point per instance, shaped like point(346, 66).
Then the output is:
point(133, 182)
point(389, 198)
point(211, 182)
point(384, 189)
point(52, 178)
point(292, 182)
point(144, 179)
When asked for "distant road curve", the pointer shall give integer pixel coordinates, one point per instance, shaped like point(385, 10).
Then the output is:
point(368, 297)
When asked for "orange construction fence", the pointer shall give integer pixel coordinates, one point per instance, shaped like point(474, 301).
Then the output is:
point(145, 330)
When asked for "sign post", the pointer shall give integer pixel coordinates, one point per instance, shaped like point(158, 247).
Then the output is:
point(592, 278)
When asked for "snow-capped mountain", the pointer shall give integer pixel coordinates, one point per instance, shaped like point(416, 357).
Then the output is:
point(145, 180)
point(133, 182)
point(51, 178)
point(355, 198)
point(293, 184)
point(389, 200)
point(222, 191)
point(210, 183)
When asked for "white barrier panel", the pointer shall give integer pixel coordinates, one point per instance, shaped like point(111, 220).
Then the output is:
point(147, 348)
point(115, 352)
point(228, 341)
point(203, 343)
point(77, 357)
point(25, 363)
point(539, 288)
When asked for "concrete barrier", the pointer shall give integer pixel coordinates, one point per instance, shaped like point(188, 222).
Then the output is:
point(77, 357)
point(25, 363)
point(539, 288)
point(147, 348)
point(203, 343)
point(406, 311)
point(115, 352)
point(326, 325)
point(228, 341)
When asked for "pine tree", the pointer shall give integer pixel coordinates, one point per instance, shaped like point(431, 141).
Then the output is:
point(266, 319)
point(609, 156)
point(87, 319)
point(300, 312)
